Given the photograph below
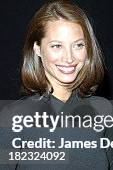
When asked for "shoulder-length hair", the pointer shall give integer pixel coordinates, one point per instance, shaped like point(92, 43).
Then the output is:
point(33, 74)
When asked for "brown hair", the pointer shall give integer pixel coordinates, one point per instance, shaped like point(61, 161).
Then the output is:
point(33, 74)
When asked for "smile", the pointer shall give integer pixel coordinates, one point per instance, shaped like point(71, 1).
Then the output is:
point(66, 69)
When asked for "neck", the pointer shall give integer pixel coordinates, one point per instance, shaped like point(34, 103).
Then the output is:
point(62, 94)
point(60, 90)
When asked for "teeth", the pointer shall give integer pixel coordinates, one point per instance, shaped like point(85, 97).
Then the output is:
point(66, 69)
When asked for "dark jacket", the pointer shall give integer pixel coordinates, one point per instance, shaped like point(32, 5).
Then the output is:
point(76, 158)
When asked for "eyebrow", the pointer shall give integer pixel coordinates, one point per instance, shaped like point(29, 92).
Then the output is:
point(80, 39)
point(55, 41)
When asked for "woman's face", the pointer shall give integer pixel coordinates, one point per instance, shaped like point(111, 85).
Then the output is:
point(63, 52)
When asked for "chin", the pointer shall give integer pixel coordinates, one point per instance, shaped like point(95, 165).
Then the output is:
point(68, 79)
point(67, 82)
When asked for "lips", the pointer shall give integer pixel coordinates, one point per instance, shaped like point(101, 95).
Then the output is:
point(66, 69)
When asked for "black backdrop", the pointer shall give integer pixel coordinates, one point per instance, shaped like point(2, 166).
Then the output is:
point(14, 18)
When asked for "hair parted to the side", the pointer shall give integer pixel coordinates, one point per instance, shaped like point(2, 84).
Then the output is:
point(33, 75)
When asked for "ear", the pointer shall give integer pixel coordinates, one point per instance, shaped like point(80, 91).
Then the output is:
point(36, 49)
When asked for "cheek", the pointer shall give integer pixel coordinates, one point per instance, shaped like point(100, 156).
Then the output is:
point(52, 57)
point(81, 56)
point(48, 59)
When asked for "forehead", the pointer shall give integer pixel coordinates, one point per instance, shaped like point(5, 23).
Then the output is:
point(62, 28)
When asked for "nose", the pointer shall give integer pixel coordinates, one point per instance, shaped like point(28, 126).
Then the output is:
point(68, 56)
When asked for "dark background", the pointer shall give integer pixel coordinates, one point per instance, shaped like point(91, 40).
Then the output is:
point(14, 18)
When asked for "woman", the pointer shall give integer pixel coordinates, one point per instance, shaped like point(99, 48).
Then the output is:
point(63, 66)
point(79, 47)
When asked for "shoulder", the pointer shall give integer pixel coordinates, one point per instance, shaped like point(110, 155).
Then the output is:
point(99, 100)
point(23, 106)
point(23, 102)
point(101, 104)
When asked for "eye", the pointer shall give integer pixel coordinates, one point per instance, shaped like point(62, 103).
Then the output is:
point(56, 46)
point(79, 45)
